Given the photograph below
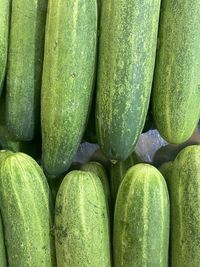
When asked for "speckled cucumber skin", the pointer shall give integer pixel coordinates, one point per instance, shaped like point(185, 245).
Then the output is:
point(3, 259)
point(25, 204)
point(98, 169)
point(25, 62)
point(81, 222)
point(118, 171)
point(185, 209)
point(176, 89)
point(4, 29)
point(141, 221)
point(128, 37)
point(69, 64)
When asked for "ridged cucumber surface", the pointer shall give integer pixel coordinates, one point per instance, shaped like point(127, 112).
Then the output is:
point(81, 222)
point(118, 171)
point(25, 204)
point(98, 169)
point(185, 209)
point(128, 38)
point(176, 88)
point(4, 30)
point(69, 66)
point(141, 221)
point(25, 61)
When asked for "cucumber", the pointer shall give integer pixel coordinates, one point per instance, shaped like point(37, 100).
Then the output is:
point(98, 169)
point(81, 222)
point(176, 89)
point(3, 259)
point(4, 30)
point(185, 208)
point(69, 64)
point(141, 221)
point(117, 173)
point(3, 155)
point(25, 204)
point(127, 50)
point(25, 62)
point(166, 171)
point(7, 140)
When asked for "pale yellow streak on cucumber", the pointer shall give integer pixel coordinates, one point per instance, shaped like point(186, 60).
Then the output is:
point(81, 206)
point(126, 208)
point(145, 212)
point(75, 18)
point(32, 194)
point(179, 204)
point(60, 219)
point(162, 194)
point(18, 202)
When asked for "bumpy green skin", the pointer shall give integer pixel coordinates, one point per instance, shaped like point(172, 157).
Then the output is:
point(176, 89)
point(117, 173)
point(81, 222)
point(25, 204)
point(141, 221)
point(25, 62)
point(185, 209)
point(4, 154)
point(98, 169)
point(3, 259)
point(7, 140)
point(166, 171)
point(69, 63)
point(4, 28)
point(127, 49)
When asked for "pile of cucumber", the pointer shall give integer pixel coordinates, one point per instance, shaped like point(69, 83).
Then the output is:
point(103, 72)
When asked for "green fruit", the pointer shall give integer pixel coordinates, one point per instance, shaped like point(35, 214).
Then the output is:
point(69, 64)
point(4, 29)
point(185, 208)
point(118, 171)
point(25, 63)
point(98, 169)
point(141, 221)
point(127, 51)
point(25, 204)
point(3, 259)
point(176, 89)
point(81, 222)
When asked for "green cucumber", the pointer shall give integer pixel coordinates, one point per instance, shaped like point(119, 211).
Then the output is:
point(4, 30)
point(117, 173)
point(127, 49)
point(7, 140)
point(25, 63)
point(81, 222)
point(98, 169)
point(185, 209)
point(176, 89)
point(166, 171)
point(141, 221)
point(3, 259)
point(69, 66)
point(25, 204)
